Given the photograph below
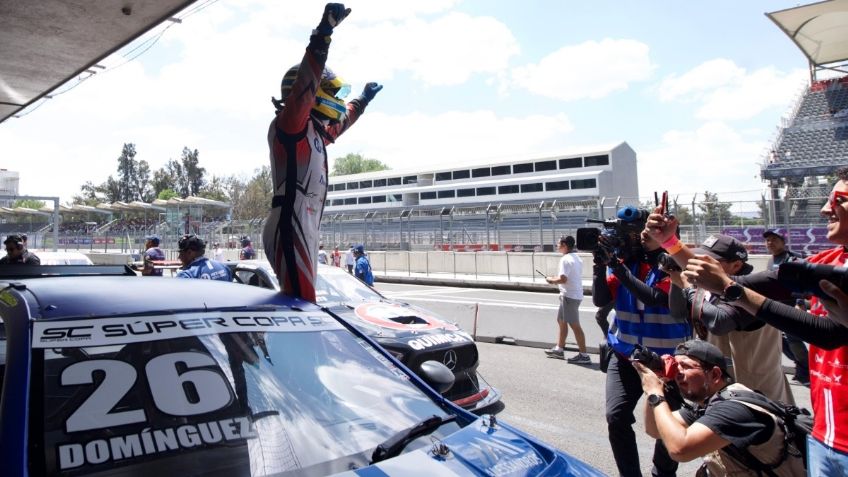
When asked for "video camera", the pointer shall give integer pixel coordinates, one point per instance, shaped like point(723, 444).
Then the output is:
point(803, 278)
point(622, 234)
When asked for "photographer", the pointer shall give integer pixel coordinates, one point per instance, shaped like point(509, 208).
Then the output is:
point(639, 291)
point(754, 348)
point(828, 443)
point(732, 437)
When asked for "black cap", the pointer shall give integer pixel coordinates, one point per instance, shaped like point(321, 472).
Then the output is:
point(774, 233)
point(191, 242)
point(13, 238)
point(704, 352)
point(725, 247)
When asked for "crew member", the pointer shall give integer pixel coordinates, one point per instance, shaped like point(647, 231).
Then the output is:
point(246, 252)
point(152, 253)
point(363, 266)
point(17, 253)
point(195, 265)
point(311, 113)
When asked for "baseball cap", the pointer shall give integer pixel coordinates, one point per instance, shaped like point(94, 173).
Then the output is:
point(191, 242)
point(359, 248)
point(13, 238)
point(153, 238)
point(725, 247)
point(774, 233)
point(704, 352)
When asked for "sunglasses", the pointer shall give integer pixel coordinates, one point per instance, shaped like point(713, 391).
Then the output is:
point(837, 198)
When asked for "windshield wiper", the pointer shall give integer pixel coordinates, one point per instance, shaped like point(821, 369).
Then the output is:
point(395, 444)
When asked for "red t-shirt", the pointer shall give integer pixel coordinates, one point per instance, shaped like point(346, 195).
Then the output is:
point(828, 393)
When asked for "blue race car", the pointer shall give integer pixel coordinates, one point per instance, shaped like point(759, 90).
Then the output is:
point(106, 373)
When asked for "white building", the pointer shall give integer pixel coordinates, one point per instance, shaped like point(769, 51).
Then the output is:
point(9, 183)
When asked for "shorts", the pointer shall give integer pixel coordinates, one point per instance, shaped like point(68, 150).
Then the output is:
point(569, 310)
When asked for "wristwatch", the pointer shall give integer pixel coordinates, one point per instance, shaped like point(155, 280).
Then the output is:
point(654, 400)
point(732, 292)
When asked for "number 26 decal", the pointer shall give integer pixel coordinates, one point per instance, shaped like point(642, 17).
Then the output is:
point(194, 390)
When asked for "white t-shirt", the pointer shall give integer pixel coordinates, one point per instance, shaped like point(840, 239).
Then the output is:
point(218, 254)
point(322, 256)
point(571, 266)
point(349, 259)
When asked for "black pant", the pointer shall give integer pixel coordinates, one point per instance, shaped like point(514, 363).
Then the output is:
point(623, 390)
point(795, 349)
point(601, 317)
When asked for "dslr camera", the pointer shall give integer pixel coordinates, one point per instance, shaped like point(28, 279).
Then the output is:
point(803, 278)
point(622, 235)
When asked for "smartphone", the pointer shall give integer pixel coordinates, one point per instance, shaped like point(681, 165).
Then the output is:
point(664, 203)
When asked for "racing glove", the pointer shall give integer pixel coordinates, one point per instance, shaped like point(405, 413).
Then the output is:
point(371, 89)
point(334, 13)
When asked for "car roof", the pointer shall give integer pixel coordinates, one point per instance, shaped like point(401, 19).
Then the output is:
point(66, 297)
point(59, 258)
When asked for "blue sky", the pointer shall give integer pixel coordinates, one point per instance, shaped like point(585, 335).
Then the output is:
point(696, 88)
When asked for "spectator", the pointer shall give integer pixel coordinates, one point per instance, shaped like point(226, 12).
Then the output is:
point(640, 293)
point(570, 285)
point(793, 348)
point(363, 266)
point(17, 253)
point(322, 255)
point(754, 347)
point(152, 253)
point(828, 443)
point(195, 265)
point(337, 257)
point(310, 114)
point(350, 260)
point(721, 429)
point(246, 252)
point(217, 252)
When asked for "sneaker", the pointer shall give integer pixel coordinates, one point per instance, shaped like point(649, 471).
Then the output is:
point(555, 353)
point(580, 358)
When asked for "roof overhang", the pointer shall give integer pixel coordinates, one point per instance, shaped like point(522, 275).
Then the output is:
point(44, 44)
point(820, 30)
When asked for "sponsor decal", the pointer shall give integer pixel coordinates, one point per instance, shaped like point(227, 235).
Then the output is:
point(450, 359)
point(155, 441)
point(397, 317)
point(113, 331)
point(429, 341)
point(7, 299)
point(501, 457)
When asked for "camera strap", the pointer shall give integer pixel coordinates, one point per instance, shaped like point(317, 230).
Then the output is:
point(696, 312)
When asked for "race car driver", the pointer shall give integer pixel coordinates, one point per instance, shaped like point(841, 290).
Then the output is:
point(310, 114)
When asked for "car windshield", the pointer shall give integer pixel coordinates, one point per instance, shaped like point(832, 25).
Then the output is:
point(184, 394)
point(335, 285)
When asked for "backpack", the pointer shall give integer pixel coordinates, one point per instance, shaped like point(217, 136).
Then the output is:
point(796, 422)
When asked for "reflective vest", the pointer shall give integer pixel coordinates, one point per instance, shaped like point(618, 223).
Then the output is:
point(649, 326)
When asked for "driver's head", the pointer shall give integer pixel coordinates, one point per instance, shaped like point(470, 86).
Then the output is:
point(15, 246)
point(329, 98)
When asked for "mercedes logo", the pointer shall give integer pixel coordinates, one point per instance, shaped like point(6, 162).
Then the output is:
point(450, 359)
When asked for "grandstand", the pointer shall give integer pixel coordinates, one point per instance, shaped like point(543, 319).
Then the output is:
point(514, 204)
point(813, 142)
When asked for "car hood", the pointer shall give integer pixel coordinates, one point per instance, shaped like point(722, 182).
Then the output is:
point(388, 319)
point(479, 449)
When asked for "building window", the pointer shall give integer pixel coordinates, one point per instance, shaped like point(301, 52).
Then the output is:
point(535, 187)
point(331, 187)
point(447, 194)
point(583, 184)
point(463, 174)
point(352, 185)
point(394, 197)
point(380, 183)
point(338, 201)
point(551, 186)
point(522, 168)
point(350, 201)
point(326, 203)
point(508, 189)
point(410, 179)
point(465, 193)
point(570, 163)
point(443, 176)
point(366, 184)
point(501, 171)
point(341, 187)
point(481, 172)
point(394, 181)
point(485, 191)
point(596, 160)
point(379, 198)
point(364, 200)
point(546, 166)
point(428, 195)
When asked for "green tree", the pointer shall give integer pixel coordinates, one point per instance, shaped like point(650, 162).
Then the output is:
point(252, 198)
point(89, 195)
point(682, 212)
point(192, 179)
point(354, 164)
point(29, 204)
point(166, 194)
point(144, 189)
point(167, 177)
point(127, 173)
point(215, 189)
point(715, 212)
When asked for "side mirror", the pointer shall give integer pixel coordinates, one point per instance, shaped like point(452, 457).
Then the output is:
point(437, 375)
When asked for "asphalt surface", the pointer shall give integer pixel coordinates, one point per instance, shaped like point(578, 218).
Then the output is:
point(560, 403)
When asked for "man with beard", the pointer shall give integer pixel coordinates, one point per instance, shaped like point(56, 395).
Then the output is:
point(726, 432)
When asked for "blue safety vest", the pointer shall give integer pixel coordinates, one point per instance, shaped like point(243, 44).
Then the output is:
point(652, 327)
point(207, 269)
